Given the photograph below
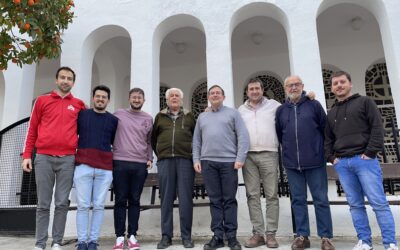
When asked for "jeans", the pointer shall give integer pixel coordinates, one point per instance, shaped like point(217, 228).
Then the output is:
point(176, 175)
point(360, 178)
point(317, 181)
point(50, 171)
point(128, 181)
point(221, 182)
point(262, 166)
point(92, 185)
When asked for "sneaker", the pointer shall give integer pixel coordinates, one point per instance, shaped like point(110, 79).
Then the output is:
point(56, 246)
point(214, 243)
point(255, 241)
point(81, 246)
point(300, 243)
point(92, 245)
point(362, 246)
point(392, 247)
point(187, 243)
point(271, 241)
point(165, 242)
point(119, 243)
point(233, 244)
point(133, 244)
point(326, 244)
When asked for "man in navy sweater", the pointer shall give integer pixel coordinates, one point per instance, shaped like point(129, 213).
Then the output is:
point(93, 173)
point(300, 124)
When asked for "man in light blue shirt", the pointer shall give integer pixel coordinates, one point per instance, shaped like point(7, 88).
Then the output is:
point(220, 145)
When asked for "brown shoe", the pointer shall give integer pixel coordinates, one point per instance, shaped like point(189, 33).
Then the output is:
point(300, 243)
point(326, 244)
point(271, 240)
point(255, 241)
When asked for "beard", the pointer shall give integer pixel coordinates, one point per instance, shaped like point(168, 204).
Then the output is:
point(100, 108)
point(136, 108)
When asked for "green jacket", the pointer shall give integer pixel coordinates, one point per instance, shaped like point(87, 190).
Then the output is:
point(173, 138)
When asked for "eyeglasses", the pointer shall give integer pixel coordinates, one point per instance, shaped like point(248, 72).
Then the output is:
point(292, 85)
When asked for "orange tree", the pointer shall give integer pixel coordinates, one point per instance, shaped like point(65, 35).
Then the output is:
point(31, 29)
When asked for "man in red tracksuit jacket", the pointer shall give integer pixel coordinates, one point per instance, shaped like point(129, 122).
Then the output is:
point(53, 132)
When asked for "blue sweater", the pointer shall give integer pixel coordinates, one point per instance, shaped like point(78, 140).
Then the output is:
point(220, 136)
point(96, 135)
point(300, 130)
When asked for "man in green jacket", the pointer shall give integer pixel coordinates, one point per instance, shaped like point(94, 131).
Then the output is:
point(172, 143)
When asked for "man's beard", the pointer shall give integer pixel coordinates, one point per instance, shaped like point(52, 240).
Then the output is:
point(136, 108)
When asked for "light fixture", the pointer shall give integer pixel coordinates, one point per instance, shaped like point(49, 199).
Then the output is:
point(356, 23)
point(180, 47)
point(257, 38)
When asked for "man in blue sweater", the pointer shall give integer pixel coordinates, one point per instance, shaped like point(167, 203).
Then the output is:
point(220, 145)
point(300, 124)
point(93, 172)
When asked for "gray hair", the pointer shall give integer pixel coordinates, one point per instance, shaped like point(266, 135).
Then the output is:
point(168, 92)
point(287, 79)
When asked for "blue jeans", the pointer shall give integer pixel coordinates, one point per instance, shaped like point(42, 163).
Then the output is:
point(221, 182)
point(317, 181)
point(360, 178)
point(176, 175)
point(92, 185)
point(128, 181)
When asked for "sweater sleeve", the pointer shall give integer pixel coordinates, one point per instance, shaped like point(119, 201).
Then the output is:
point(32, 132)
point(196, 144)
point(243, 138)
point(321, 117)
point(375, 142)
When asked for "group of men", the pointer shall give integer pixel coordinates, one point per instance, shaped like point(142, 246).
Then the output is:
point(92, 148)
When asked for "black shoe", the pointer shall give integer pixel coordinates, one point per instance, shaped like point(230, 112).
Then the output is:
point(188, 243)
point(165, 242)
point(233, 244)
point(92, 245)
point(214, 243)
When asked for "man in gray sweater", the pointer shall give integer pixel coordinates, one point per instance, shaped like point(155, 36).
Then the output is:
point(220, 145)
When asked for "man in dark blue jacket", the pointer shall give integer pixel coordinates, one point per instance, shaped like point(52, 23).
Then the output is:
point(300, 124)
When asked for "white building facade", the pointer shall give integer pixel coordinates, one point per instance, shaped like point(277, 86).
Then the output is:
point(157, 44)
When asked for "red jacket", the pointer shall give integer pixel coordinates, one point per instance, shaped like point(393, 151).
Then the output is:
point(53, 125)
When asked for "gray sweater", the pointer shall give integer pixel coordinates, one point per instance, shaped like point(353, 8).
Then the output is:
point(220, 136)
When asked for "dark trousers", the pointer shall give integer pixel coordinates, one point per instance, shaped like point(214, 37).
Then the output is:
point(128, 181)
point(317, 181)
point(176, 175)
point(221, 182)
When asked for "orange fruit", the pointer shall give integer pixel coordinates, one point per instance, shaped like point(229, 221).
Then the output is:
point(31, 2)
point(27, 26)
point(17, 2)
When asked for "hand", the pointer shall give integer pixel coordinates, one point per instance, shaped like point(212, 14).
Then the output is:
point(238, 165)
point(311, 95)
point(27, 165)
point(197, 167)
point(364, 157)
point(335, 161)
point(149, 164)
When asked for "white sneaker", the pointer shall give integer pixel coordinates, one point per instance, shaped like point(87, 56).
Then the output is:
point(361, 246)
point(56, 247)
point(392, 247)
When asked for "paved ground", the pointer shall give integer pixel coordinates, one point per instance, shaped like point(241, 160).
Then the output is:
point(22, 243)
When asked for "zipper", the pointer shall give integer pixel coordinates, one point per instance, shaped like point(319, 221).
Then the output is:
point(297, 139)
point(173, 139)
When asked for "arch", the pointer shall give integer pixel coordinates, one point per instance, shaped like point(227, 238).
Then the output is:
point(273, 85)
point(258, 9)
point(90, 46)
point(179, 43)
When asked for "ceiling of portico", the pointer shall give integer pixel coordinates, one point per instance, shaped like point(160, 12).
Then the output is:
point(335, 26)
